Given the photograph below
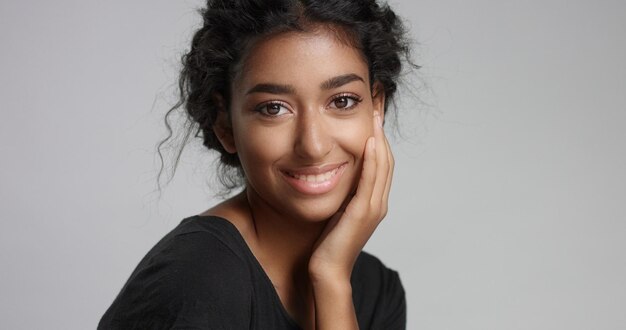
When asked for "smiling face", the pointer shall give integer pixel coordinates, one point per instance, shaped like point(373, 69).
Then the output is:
point(301, 112)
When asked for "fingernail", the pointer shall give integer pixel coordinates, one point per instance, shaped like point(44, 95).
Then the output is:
point(379, 120)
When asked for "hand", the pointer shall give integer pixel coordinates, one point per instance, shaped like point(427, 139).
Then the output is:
point(351, 227)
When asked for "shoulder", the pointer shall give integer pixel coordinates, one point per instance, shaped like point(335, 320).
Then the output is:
point(378, 294)
point(198, 253)
point(369, 271)
point(197, 273)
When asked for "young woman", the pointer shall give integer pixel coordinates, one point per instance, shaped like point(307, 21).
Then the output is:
point(292, 94)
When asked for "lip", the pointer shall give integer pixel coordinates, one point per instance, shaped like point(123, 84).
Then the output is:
point(310, 187)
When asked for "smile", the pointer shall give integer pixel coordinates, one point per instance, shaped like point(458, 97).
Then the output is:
point(314, 178)
point(314, 181)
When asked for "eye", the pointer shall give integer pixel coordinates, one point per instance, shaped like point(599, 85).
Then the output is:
point(272, 109)
point(345, 101)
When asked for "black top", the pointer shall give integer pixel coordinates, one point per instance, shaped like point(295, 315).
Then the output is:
point(202, 275)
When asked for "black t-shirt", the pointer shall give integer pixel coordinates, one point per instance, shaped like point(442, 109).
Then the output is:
point(202, 275)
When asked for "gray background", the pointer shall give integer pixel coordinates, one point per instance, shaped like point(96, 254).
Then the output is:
point(509, 204)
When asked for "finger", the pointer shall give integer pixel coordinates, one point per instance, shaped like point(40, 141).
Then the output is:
point(382, 161)
point(367, 180)
point(391, 162)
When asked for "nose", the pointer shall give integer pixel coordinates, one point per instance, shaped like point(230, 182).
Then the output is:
point(312, 139)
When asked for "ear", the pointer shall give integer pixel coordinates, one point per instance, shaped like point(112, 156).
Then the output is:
point(222, 127)
point(378, 98)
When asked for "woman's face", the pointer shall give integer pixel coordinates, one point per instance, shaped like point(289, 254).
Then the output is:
point(301, 112)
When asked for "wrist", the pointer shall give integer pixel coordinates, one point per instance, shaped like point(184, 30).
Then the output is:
point(334, 308)
point(339, 285)
point(327, 274)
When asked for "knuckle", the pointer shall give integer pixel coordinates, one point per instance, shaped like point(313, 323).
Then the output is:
point(383, 212)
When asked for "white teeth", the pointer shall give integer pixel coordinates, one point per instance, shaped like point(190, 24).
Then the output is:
point(323, 177)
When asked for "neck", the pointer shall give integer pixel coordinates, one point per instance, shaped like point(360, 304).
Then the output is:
point(283, 241)
point(282, 244)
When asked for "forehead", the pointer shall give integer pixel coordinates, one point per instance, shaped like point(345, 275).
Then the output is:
point(300, 58)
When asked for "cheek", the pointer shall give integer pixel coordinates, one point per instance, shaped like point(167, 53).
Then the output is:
point(353, 135)
point(259, 146)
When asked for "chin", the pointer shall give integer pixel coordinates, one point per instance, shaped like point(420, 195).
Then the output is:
point(317, 216)
point(317, 210)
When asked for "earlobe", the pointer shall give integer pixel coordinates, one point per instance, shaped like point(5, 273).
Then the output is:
point(222, 126)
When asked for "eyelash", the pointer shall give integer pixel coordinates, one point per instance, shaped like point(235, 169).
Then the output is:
point(352, 97)
point(262, 107)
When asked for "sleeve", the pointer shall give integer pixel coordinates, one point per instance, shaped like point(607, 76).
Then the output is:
point(194, 281)
point(395, 302)
point(378, 295)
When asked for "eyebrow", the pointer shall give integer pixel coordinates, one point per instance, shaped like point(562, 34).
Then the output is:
point(339, 81)
point(331, 83)
point(272, 89)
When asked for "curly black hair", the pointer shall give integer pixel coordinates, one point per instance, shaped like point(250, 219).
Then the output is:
point(231, 27)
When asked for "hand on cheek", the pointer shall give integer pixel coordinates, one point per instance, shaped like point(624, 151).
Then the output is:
point(348, 231)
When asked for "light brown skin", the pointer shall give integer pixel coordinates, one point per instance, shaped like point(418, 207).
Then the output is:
point(307, 244)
